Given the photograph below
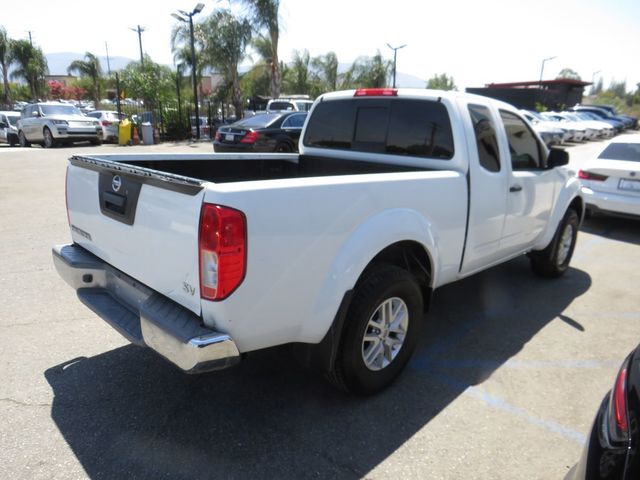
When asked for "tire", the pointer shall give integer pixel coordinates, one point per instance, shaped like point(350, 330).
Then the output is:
point(554, 260)
point(47, 138)
point(380, 333)
point(22, 140)
point(13, 141)
point(96, 142)
point(284, 147)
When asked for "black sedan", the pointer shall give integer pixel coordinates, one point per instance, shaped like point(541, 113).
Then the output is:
point(612, 449)
point(266, 132)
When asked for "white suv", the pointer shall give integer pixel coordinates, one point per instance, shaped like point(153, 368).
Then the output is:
point(51, 123)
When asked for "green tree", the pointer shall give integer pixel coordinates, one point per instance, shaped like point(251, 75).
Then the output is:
point(569, 73)
point(31, 66)
point(181, 48)
point(368, 72)
point(441, 82)
point(227, 41)
point(597, 88)
point(90, 69)
point(619, 89)
point(151, 82)
point(5, 62)
point(257, 81)
point(265, 15)
point(325, 72)
point(295, 79)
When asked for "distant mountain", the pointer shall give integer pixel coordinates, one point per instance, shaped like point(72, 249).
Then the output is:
point(59, 62)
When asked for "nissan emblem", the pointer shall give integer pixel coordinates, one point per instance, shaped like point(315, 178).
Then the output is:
point(116, 183)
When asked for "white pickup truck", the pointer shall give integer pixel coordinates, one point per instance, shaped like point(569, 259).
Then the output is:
point(207, 257)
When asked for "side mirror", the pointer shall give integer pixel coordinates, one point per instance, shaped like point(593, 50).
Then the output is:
point(3, 125)
point(558, 157)
point(35, 113)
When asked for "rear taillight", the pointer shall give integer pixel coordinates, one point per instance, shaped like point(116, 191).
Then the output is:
point(250, 137)
point(223, 249)
point(618, 416)
point(376, 92)
point(218, 137)
point(584, 175)
point(106, 123)
point(620, 401)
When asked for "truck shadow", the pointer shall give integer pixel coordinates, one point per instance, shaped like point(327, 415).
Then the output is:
point(128, 414)
point(614, 228)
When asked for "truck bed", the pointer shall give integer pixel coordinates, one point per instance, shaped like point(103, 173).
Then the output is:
point(228, 168)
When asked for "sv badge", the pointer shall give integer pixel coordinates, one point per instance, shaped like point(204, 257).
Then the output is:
point(188, 289)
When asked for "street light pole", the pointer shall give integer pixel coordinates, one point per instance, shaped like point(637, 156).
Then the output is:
point(139, 31)
point(542, 69)
point(540, 96)
point(183, 18)
point(395, 52)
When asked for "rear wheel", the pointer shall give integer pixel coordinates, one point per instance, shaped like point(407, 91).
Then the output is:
point(23, 140)
point(96, 142)
point(284, 147)
point(381, 331)
point(47, 137)
point(554, 260)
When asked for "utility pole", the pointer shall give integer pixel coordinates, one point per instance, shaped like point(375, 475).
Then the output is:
point(139, 31)
point(106, 46)
point(30, 39)
point(395, 52)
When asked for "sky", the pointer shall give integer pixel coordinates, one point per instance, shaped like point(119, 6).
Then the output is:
point(475, 42)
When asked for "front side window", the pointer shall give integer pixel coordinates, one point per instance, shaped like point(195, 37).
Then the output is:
point(486, 139)
point(523, 146)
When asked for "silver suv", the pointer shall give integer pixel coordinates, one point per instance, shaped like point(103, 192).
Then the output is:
point(52, 123)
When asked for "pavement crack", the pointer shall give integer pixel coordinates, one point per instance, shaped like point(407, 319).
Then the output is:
point(23, 404)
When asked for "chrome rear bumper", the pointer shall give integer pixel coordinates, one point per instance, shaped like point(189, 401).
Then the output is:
point(142, 315)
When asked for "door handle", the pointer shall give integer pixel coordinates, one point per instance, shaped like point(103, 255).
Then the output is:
point(515, 188)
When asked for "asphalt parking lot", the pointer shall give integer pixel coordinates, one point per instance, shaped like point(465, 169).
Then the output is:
point(505, 383)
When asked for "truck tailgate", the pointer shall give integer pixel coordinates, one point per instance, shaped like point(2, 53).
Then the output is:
point(140, 224)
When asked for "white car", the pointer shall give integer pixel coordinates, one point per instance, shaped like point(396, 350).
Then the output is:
point(53, 123)
point(9, 127)
point(611, 181)
point(607, 129)
point(290, 103)
point(109, 121)
point(578, 133)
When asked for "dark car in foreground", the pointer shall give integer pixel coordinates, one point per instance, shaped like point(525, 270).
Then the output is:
point(266, 132)
point(611, 451)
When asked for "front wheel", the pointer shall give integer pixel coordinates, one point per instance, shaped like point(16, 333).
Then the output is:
point(23, 140)
point(48, 141)
point(381, 331)
point(554, 260)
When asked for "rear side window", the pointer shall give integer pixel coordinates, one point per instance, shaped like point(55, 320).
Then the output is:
point(419, 128)
point(486, 139)
point(629, 152)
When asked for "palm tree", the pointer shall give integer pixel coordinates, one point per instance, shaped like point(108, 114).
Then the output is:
point(326, 71)
point(228, 38)
point(296, 78)
point(181, 46)
point(31, 65)
point(89, 68)
point(5, 57)
point(368, 72)
point(264, 14)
